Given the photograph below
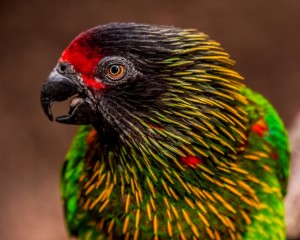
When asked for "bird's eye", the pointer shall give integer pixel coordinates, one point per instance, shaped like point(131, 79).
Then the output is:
point(115, 71)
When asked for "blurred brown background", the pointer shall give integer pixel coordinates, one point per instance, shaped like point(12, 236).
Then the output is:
point(262, 36)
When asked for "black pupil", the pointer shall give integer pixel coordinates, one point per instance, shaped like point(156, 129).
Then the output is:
point(115, 69)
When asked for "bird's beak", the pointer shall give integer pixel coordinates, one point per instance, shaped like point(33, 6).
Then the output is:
point(60, 87)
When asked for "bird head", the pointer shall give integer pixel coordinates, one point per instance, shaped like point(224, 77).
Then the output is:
point(111, 72)
point(140, 80)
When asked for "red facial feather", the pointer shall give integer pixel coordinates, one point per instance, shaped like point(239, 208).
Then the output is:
point(84, 59)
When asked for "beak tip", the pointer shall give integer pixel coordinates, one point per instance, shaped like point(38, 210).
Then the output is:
point(49, 112)
point(50, 117)
point(46, 106)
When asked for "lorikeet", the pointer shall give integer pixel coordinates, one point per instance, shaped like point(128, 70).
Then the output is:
point(173, 145)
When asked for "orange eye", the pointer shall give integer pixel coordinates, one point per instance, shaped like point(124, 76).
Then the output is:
point(115, 71)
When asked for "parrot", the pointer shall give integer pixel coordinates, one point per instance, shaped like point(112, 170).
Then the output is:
point(171, 142)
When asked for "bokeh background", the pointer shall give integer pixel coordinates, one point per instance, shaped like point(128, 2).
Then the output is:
point(262, 36)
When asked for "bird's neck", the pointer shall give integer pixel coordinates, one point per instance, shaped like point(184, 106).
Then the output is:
point(156, 198)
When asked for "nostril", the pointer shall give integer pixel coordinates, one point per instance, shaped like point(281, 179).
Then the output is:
point(62, 67)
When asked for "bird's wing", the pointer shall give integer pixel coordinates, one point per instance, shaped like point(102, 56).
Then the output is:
point(268, 150)
point(267, 126)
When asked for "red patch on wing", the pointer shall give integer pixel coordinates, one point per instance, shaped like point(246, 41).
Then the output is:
point(191, 161)
point(154, 127)
point(274, 155)
point(260, 127)
point(84, 59)
point(91, 137)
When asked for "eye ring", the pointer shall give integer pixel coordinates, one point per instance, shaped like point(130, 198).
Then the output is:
point(115, 71)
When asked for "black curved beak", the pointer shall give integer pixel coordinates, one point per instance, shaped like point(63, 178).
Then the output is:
point(60, 87)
